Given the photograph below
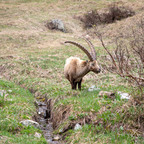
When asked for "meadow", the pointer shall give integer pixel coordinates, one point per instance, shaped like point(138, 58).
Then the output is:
point(32, 59)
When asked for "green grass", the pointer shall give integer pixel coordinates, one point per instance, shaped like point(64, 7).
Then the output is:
point(17, 104)
point(83, 103)
point(91, 134)
point(37, 65)
point(113, 121)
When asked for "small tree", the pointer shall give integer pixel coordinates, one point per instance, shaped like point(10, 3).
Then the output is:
point(127, 58)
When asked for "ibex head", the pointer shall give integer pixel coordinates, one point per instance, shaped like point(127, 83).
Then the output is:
point(92, 63)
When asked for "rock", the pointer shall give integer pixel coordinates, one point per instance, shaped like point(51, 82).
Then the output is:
point(56, 24)
point(2, 93)
point(41, 108)
point(10, 100)
point(93, 88)
point(56, 138)
point(87, 36)
point(121, 128)
point(124, 95)
point(9, 91)
point(106, 93)
point(61, 130)
point(30, 123)
point(38, 103)
point(65, 127)
point(38, 135)
point(77, 127)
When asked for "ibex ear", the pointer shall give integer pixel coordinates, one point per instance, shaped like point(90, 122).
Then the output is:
point(84, 63)
point(91, 65)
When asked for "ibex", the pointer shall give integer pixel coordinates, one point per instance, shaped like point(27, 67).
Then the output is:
point(75, 68)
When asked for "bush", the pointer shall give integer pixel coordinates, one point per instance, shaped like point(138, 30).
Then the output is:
point(127, 58)
point(111, 14)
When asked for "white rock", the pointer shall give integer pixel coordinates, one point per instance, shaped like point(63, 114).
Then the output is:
point(61, 130)
point(2, 93)
point(38, 135)
point(58, 24)
point(9, 91)
point(93, 88)
point(77, 127)
point(30, 123)
point(106, 93)
point(121, 128)
point(9, 99)
point(87, 36)
point(56, 138)
point(124, 95)
point(39, 113)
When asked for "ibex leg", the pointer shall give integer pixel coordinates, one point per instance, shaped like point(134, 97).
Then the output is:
point(73, 83)
point(79, 84)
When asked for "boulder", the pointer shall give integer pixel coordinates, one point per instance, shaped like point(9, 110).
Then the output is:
point(30, 123)
point(56, 24)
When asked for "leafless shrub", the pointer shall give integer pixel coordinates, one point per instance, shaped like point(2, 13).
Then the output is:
point(91, 18)
point(127, 58)
point(111, 14)
point(120, 12)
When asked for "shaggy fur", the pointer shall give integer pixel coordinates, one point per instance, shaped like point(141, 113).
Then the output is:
point(75, 69)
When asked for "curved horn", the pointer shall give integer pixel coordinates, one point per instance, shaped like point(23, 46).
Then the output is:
point(93, 52)
point(82, 48)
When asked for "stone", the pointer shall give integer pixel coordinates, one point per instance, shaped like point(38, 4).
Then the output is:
point(106, 93)
point(124, 95)
point(2, 93)
point(93, 88)
point(30, 123)
point(77, 127)
point(121, 128)
point(61, 130)
point(38, 135)
point(56, 138)
point(9, 91)
point(56, 24)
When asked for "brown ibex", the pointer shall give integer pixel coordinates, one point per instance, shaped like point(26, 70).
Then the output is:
point(75, 68)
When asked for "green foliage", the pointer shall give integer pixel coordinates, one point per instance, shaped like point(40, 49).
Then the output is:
point(17, 105)
point(97, 134)
point(72, 117)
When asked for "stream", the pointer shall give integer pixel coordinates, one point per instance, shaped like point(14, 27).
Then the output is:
point(43, 117)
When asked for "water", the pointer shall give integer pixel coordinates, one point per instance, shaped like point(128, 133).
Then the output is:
point(43, 117)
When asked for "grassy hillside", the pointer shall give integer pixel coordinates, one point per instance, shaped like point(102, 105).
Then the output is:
point(16, 104)
point(32, 58)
